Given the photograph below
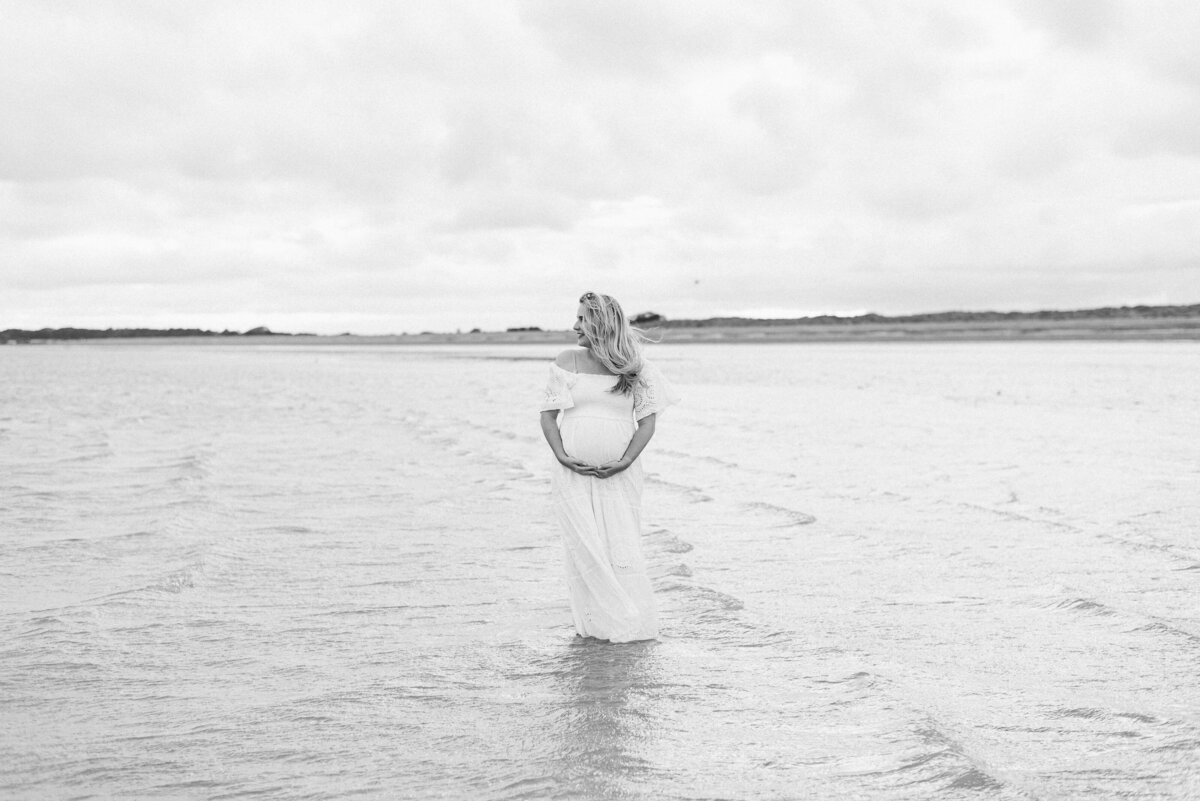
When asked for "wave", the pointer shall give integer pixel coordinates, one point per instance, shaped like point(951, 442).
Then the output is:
point(943, 762)
point(691, 457)
point(1136, 540)
point(693, 610)
point(1189, 745)
point(793, 517)
point(860, 676)
point(693, 494)
point(1139, 622)
point(1172, 629)
point(1087, 605)
point(664, 540)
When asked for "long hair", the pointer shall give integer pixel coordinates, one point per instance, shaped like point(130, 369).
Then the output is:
point(616, 343)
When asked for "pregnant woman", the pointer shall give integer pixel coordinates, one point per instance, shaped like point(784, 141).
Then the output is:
point(609, 399)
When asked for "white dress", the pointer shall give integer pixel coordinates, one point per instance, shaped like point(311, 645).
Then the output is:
point(610, 593)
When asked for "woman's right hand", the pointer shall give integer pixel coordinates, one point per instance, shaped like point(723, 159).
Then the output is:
point(577, 465)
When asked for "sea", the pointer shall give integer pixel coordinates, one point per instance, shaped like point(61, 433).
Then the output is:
point(884, 571)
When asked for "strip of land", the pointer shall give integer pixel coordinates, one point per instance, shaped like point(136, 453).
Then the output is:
point(1110, 323)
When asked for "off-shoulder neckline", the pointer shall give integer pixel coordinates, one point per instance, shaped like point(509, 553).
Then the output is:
point(597, 375)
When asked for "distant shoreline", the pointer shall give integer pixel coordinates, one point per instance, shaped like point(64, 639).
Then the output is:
point(1136, 323)
point(1165, 329)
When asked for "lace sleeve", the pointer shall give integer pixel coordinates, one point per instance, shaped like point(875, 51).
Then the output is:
point(653, 393)
point(558, 390)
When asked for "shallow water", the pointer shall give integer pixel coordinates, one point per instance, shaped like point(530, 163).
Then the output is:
point(884, 572)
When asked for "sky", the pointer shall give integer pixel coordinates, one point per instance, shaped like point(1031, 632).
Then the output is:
point(382, 167)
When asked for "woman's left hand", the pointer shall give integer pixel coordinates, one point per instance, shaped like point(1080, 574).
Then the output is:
point(610, 469)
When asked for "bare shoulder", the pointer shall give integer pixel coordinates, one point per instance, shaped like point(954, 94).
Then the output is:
point(567, 359)
point(650, 368)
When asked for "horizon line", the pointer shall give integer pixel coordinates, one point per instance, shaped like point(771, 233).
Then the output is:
point(263, 330)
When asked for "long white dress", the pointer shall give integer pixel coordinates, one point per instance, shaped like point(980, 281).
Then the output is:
point(609, 589)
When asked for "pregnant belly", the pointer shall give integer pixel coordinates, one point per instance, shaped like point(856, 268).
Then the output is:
point(596, 440)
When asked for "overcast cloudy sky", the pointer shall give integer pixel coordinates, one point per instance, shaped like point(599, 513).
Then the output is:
point(400, 166)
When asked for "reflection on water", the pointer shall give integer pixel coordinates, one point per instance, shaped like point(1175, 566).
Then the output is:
point(601, 731)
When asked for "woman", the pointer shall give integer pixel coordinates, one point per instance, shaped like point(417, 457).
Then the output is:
point(610, 399)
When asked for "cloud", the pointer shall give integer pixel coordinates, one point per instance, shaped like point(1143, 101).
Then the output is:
point(379, 166)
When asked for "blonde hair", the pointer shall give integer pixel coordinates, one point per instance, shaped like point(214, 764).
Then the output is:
point(616, 343)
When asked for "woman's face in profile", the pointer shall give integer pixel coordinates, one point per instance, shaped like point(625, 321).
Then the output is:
point(580, 337)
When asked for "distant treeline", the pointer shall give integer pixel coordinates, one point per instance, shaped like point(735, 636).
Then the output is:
point(1106, 313)
point(653, 319)
point(21, 335)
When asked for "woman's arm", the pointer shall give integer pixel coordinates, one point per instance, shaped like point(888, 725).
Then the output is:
point(554, 437)
point(637, 443)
